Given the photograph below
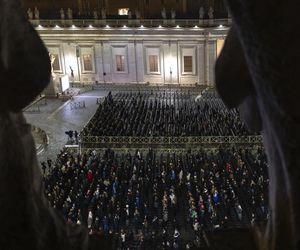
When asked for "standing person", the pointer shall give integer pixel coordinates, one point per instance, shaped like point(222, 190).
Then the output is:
point(123, 239)
point(76, 135)
point(71, 134)
point(90, 219)
point(49, 162)
point(44, 167)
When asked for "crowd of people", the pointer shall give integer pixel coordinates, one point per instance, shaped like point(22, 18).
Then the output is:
point(161, 201)
point(164, 114)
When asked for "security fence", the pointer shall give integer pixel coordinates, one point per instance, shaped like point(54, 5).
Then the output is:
point(166, 142)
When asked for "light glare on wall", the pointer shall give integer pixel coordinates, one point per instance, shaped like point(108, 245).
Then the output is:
point(171, 63)
point(71, 61)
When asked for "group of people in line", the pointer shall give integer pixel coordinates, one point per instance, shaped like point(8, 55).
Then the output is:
point(164, 114)
point(72, 136)
point(160, 201)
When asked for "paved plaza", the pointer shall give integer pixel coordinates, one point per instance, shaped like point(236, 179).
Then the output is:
point(58, 116)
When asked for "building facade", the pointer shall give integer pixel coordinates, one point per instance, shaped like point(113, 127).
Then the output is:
point(136, 55)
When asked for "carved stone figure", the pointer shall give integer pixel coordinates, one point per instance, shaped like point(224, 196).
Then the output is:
point(173, 13)
point(29, 14)
point(62, 13)
point(70, 13)
point(103, 13)
point(27, 219)
point(163, 13)
point(137, 14)
point(211, 13)
point(36, 13)
point(52, 60)
point(265, 80)
point(129, 14)
point(72, 72)
point(95, 14)
point(201, 12)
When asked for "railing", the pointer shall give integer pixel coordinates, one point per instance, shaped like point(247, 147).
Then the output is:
point(150, 87)
point(120, 23)
point(191, 141)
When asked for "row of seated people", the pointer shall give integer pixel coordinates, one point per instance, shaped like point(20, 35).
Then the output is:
point(144, 116)
point(159, 201)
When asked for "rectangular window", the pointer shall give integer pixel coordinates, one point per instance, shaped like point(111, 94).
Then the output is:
point(55, 60)
point(87, 62)
point(123, 11)
point(188, 64)
point(153, 63)
point(120, 63)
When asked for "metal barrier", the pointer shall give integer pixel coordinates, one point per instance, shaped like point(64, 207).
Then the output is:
point(151, 87)
point(77, 105)
point(189, 141)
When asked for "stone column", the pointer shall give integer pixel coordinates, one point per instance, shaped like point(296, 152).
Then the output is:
point(206, 61)
point(184, 6)
point(79, 2)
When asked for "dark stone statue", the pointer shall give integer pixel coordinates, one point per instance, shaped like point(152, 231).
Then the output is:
point(27, 220)
point(258, 71)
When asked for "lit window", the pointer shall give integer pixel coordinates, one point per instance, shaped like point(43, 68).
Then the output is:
point(188, 64)
point(87, 62)
point(153, 63)
point(123, 11)
point(120, 63)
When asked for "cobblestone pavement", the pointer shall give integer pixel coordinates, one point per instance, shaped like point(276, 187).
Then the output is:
point(58, 116)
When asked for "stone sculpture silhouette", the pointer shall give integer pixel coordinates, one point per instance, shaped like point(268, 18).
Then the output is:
point(27, 220)
point(258, 70)
point(70, 13)
point(62, 13)
point(29, 14)
point(36, 13)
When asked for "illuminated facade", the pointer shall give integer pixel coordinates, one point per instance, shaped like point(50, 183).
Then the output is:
point(135, 55)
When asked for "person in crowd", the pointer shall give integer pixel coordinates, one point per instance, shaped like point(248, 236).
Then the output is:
point(139, 199)
point(167, 114)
